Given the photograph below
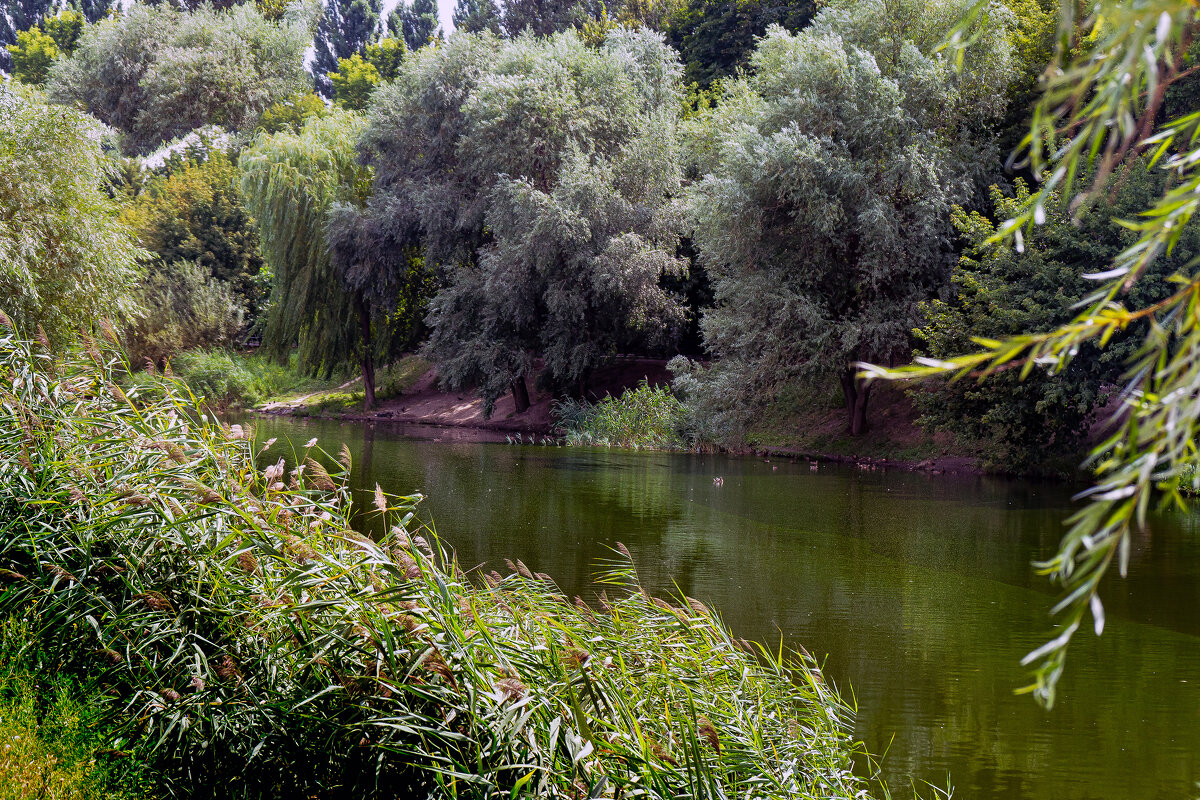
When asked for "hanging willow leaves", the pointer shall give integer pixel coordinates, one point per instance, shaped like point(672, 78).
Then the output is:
point(290, 181)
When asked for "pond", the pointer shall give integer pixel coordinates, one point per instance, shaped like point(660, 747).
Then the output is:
point(917, 591)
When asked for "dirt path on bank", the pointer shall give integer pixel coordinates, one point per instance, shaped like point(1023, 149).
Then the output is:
point(425, 404)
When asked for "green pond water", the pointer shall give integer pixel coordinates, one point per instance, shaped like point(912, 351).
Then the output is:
point(916, 589)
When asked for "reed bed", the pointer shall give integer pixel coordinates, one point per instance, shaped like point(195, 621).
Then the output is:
point(252, 644)
point(649, 417)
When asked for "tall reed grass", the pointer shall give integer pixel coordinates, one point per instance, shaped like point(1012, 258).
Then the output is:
point(256, 646)
point(644, 417)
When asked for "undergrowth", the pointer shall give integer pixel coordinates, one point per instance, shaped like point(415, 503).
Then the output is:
point(54, 743)
point(226, 379)
point(251, 644)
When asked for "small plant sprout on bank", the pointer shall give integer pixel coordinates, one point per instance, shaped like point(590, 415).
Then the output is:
point(250, 643)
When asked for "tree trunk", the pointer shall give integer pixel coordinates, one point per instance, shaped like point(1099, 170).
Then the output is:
point(368, 361)
point(520, 393)
point(857, 394)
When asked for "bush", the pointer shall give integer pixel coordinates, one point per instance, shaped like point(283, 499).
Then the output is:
point(647, 416)
point(258, 646)
point(223, 379)
point(185, 307)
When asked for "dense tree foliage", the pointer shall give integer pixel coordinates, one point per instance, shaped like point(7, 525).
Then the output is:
point(37, 48)
point(32, 56)
point(196, 214)
point(184, 307)
point(542, 198)
point(477, 16)
point(155, 73)
point(545, 17)
point(828, 177)
point(357, 76)
point(716, 37)
point(291, 112)
point(1103, 105)
point(415, 22)
point(1023, 423)
point(16, 16)
point(353, 83)
point(65, 258)
point(344, 29)
point(290, 181)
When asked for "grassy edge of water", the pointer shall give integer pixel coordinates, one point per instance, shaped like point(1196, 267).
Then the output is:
point(645, 417)
point(254, 644)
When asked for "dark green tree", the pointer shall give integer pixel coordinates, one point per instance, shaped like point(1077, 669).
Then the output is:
point(94, 10)
point(477, 16)
point(716, 37)
point(545, 17)
point(344, 29)
point(416, 24)
point(1022, 423)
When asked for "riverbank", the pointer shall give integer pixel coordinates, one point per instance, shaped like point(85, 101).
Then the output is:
point(374, 668)
point(421, 402)
point(786, 431)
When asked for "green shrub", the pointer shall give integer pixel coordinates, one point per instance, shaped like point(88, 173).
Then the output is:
point(224, 379)
point(257, 646)
point(650, 417)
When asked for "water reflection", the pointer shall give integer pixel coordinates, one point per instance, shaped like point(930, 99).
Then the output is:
point(918, 589)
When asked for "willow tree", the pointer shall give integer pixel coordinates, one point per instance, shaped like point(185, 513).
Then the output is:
point(290, 182)
point(823, 213)
point(540, 175)
point(64, 253)
point(155, 73)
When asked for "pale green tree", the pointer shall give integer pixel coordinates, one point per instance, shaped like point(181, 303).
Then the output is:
point(353, 83)
point(32, 56)
point(539, 176)
point(155, 73)
point(65, 257)
point(823, 209)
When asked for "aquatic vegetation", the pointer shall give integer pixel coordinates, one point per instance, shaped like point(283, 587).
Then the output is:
point(255, 645)
point(648, 416)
